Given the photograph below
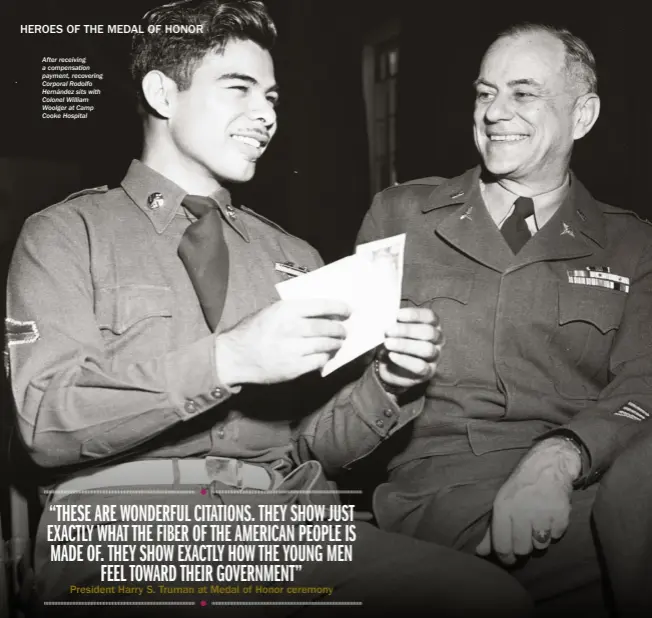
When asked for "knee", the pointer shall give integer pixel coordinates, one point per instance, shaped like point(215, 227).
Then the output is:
point(452, 524)
point(496, 594)
point(624, 476)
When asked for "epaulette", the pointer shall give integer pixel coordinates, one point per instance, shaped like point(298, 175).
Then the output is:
point(624, 211)
point(432, 181)
point(269, 222)
point(429, 180)
point(90, 191)
point(642, 219)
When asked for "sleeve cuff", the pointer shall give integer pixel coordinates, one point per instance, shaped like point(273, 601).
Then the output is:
point(192, 380)
point(379, 409)
point(584, 479)
point(600, 438)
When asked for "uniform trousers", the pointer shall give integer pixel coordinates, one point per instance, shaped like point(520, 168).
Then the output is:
point(448, 500)
point(623, 520)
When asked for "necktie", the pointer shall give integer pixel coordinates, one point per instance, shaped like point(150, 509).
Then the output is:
point(205, 255)
point(515, 229)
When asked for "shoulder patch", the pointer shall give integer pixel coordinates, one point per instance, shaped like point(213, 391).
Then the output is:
point(89, 191)
point(269, 222)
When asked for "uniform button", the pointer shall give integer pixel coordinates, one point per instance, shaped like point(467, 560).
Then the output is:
point(191, 406)
point(216, 393)
point(155, 200)
point(380, 423)
point(220, 433)
point(230, 212)
point(388, 413)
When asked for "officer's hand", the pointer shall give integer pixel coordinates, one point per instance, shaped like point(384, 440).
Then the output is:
point(281, 342)
point(533, 506)
point(411, 348)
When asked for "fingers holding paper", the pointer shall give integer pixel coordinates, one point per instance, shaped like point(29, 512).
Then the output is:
point(411, 349)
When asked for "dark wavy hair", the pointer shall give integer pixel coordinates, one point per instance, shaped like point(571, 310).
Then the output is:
point(178, 54)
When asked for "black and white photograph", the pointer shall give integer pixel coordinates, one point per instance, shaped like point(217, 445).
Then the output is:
point(326, 308)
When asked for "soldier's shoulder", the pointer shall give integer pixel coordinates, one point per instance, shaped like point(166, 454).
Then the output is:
point(75, 200)
point(303, 247)
point(100, 190)
point(262, 219)
point(73, 209)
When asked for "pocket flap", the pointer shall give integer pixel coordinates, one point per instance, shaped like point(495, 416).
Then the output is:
point(422, 283)
point(489, 436)
point(586, 303)
point(117, 309)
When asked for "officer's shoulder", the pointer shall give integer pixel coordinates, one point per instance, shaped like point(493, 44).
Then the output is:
point(428, 182)
point(610, 211)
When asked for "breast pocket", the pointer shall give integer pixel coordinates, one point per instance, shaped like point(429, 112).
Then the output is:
point(588, 321)
point(447, 291)
point(423, 284)
point(135, 320)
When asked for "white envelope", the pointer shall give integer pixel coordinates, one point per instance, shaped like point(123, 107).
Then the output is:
point(369, 282)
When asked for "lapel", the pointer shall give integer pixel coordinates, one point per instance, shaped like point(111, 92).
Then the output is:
point(470, 228)
point(576, 230)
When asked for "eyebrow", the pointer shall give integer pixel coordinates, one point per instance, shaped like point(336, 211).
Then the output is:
point(243, 77)
point(527, 81)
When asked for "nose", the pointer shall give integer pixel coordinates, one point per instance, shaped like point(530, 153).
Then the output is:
point(499, 109)
point(262, 110)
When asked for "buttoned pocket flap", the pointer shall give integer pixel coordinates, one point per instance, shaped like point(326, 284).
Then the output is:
point(119, 308)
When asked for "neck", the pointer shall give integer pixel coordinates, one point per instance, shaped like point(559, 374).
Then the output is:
point(163, 157)
point(531, 188)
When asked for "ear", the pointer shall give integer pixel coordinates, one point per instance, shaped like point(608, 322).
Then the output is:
point(585, 114)
point(160, 92)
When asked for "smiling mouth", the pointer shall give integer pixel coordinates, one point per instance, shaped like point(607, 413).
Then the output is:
point(507, 138)
point(251, 141)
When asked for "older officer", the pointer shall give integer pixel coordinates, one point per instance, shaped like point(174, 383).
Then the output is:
point(542, 292)
point(146, 339)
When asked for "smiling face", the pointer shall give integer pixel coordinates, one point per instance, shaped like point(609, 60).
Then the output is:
point(524, 114)
point(221, 125)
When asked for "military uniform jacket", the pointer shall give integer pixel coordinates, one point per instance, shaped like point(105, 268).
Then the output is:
point(557, 338)
point(110, 355)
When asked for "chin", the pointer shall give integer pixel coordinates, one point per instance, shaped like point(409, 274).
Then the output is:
point(237, 175)
point(499, 167)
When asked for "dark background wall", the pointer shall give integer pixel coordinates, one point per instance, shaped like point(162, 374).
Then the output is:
point(441, 48)
point(314, 180)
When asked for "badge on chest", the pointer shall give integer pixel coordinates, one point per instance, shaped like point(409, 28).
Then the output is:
point(599, 276)
point(290, 269)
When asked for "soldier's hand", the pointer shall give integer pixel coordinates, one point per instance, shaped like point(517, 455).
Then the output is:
point(411, 349)
point(281, 342)
point(533, 506)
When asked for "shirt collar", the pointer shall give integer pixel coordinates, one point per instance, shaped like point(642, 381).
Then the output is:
point(500, 201)
point(157, 196)
point(160, 198)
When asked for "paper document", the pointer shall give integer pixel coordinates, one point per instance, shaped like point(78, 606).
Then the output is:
point(369, 282)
